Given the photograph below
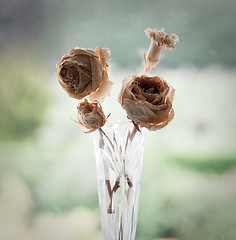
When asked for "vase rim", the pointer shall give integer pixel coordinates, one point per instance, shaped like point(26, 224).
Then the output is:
point(122, 124)
point(119, 122)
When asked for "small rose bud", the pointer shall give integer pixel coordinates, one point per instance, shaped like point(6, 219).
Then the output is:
point(91, 115)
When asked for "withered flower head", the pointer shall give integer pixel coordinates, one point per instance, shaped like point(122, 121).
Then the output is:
point(147, 101)
point(82, 72)
point(159, 41)
point(91, 115)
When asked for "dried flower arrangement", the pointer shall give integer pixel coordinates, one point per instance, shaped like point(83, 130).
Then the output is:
point(146, 99)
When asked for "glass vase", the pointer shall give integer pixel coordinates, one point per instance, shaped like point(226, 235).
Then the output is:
point(119, 153)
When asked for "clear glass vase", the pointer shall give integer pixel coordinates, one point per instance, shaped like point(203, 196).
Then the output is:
point(119, 153)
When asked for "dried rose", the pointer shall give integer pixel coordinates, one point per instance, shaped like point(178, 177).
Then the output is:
point(147, 100)
point(159, 41)
point(91, 115)
point(82, 72)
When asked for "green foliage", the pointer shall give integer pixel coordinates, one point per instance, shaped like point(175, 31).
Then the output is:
point(213, 164)
point(187, 202)
point(23, 98)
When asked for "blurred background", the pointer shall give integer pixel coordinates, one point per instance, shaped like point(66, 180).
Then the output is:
point(47, 168)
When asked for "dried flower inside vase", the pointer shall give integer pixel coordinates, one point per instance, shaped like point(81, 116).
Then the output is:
point(147, 100)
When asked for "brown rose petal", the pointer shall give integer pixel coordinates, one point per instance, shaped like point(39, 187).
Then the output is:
point(154, 127)
point(105, 88)
point(158, 100)
point(161, 111)
point(150, 97)
point(104, 55)
point(152, 110)
point(171, 94)
point(137, 111)
point(103, 91)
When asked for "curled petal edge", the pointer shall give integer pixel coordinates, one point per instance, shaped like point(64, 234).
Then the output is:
point(103, 91)
point(154, 127)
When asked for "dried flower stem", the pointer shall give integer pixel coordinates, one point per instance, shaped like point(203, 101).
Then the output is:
point(108, 182)
point(114, 189)
point(153, 55)
point(121, 229)
point(116, 186)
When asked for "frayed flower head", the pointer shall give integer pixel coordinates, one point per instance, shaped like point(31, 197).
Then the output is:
point(159, 41)
point(161, 38)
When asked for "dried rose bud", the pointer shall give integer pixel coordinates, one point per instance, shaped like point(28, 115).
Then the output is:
point(159, 41)
point(82, 72)
point(147, 101)
point(91, 115)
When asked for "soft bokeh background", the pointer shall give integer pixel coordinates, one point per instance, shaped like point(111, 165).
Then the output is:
point(47, 169)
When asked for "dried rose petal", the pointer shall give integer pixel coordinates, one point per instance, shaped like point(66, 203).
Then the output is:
point(83, 72)
point(147, 100)
point(159, 41)
point(91, 115)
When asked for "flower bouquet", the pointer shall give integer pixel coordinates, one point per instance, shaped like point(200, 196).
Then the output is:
point(119, 146)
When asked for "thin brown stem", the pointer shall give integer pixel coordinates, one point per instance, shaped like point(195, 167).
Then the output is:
point(111, 191)
point(108, 184)
point(129, 181)
point(121, 234)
